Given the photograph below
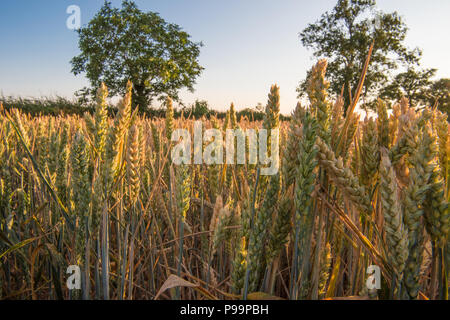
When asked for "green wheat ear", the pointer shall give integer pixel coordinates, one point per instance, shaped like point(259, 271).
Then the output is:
point(370, 154)
point(383, 124)
point(415, 196)
point(268, 193)
point(133, 169)
point(80, 188)
point(169, 118)
point(318, 97)
point(395, 229)
point(101, 120)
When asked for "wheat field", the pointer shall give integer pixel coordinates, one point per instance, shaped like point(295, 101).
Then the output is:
point(102, 193)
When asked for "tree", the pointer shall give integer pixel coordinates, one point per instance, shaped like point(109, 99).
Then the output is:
point(344, 36)
point(200, 108)
point(439, 92)
point(411, 84)
point(125, 44)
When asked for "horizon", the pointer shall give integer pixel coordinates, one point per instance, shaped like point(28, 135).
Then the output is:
point(247, 47)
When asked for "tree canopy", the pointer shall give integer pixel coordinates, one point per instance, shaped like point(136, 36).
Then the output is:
point(412, 84)
point(439, 92)
point(344, 36)
point(125, 44)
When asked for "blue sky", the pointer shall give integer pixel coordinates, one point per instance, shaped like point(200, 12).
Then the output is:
point(248, 44)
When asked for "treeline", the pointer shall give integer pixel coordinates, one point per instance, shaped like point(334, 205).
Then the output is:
point(62, 106)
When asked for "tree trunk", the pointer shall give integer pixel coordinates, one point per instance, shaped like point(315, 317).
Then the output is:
point(140, 98)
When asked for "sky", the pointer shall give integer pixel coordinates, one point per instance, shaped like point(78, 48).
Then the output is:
point(248, 44)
